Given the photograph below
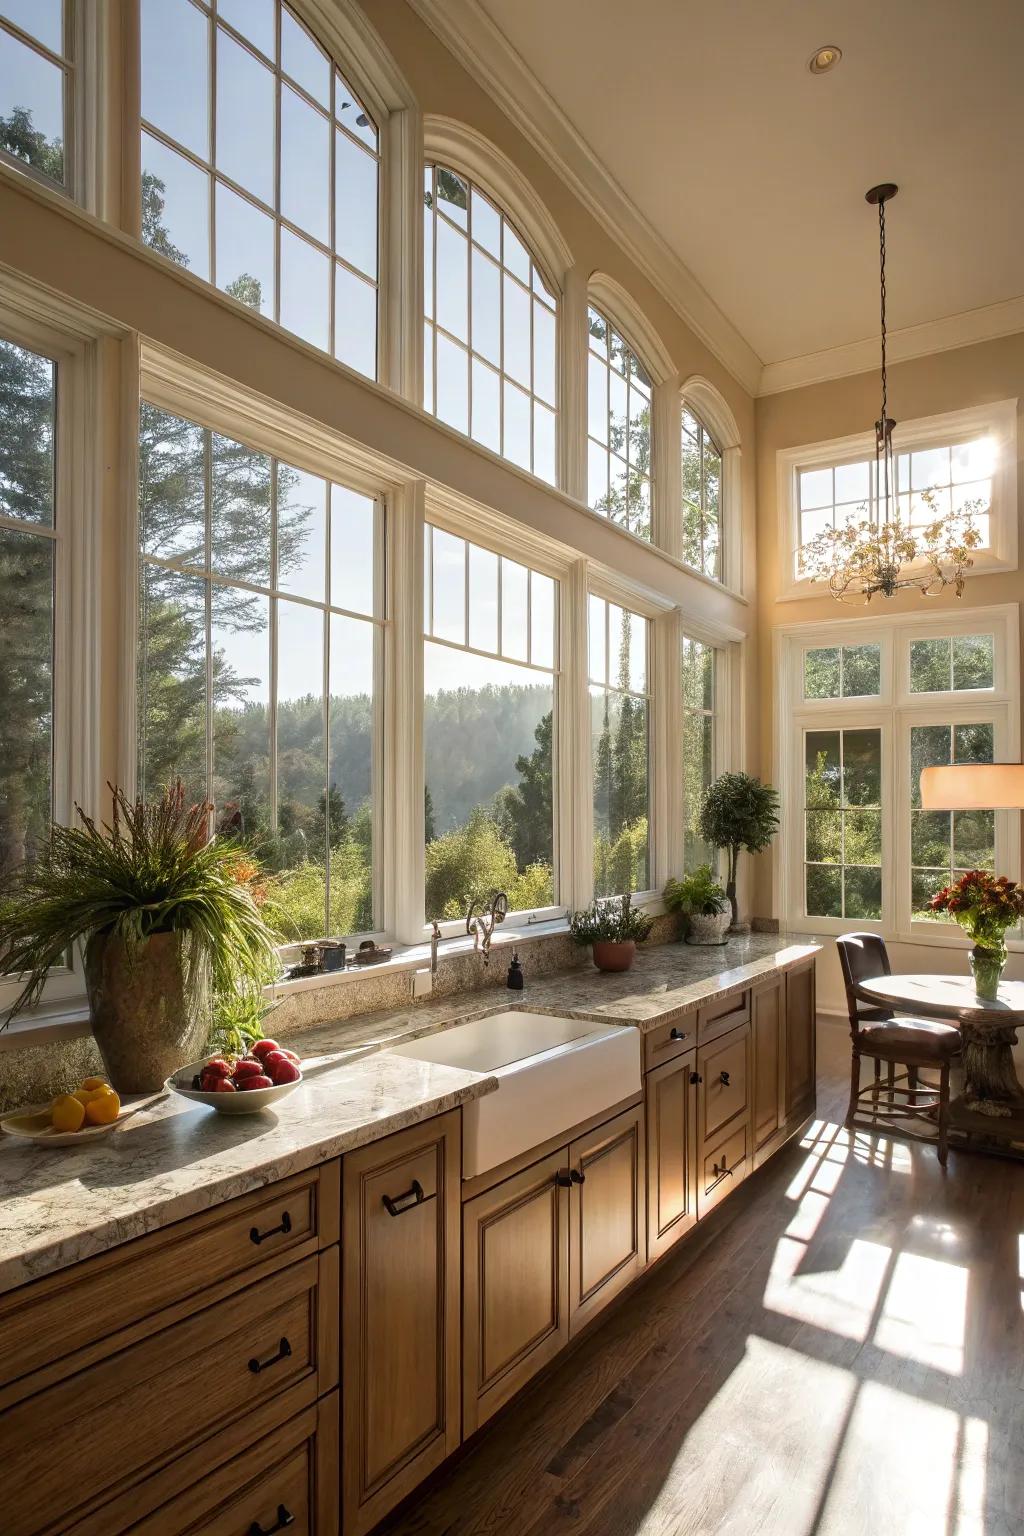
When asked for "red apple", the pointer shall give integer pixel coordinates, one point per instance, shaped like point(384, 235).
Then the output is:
point(246, 1084)
point(262, 1048)
point(284, 1071)
point(291, 1056)
point(219, 1085)
point(217, 1067)
point(271, 1056)
point(248, 1068)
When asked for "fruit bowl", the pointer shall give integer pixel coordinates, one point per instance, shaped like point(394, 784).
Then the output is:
point(246, 1103)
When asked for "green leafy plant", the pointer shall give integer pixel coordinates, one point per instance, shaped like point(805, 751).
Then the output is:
point(614, 920)
point(737, 812)
point(239, 1021)
point(153, 869)
point(698, 892)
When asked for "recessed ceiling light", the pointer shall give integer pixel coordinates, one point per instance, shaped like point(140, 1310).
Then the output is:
point(824, 59)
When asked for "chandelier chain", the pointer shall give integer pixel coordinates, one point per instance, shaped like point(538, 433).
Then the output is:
point(881, 284)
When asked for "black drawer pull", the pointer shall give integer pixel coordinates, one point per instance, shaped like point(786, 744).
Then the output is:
point(285, 1518)
point(725, 1079)
point(695, 1077)
point(676, 1034)
point(563, 1179)
point(576, 1176)
point(721, 1172)
point(257, 1237)
point(412, 1197)
point(261, 1365)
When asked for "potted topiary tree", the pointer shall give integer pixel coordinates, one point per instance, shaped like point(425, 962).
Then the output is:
point(737, 812)
point(700, 901)
point(613, 927)
point(166, 916)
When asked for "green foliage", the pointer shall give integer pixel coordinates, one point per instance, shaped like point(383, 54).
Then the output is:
point(238, 1021)
point(739, 812)
point(18, 137)
point(698, 892)
point(473, 861)
point(611, 921)
point(620, 863)
point(152, 870)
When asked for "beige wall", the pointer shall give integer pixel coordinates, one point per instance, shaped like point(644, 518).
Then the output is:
point(926, 386)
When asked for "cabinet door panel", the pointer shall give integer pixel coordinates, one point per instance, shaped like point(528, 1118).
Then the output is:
point(671, 1154)
point(515, 1284)
point(723, 1067)
point(400, 1315)
point(722, 1168)
point(800, 1041)
point(607, 1244)
point(768, 1032)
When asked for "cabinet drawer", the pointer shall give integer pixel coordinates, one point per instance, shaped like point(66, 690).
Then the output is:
point(286, 1481)
point(670, 1040)
point(128, 1416)
point(724, 1091)
point(719, 1017)
point(722, 1168)
point(70, 1312)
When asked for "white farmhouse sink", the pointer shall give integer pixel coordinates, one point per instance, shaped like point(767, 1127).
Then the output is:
point(552, 1072)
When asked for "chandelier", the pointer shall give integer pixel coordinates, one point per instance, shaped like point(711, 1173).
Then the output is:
point(882, 553)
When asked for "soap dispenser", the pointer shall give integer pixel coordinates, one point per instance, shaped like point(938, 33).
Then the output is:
point(514, 979)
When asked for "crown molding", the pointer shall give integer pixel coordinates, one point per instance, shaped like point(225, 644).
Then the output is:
point(469, 33)
point(952, 331)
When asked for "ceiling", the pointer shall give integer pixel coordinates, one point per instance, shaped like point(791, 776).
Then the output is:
point(753, 170)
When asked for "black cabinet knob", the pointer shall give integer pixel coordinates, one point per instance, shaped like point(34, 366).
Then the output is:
point(257, 1237)
point(576, 1176)
point(676, 1034)
point(284, 1350)
point(563, 1179)
point(285, 1518)
point(695, 1077)
point(725, 1078)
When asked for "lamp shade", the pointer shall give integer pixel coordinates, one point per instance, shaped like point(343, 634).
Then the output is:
point(973, 787)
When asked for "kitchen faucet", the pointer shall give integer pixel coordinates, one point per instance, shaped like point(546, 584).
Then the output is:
point(483, 923)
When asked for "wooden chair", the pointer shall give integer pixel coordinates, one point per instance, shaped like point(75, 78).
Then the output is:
point(900, 1041)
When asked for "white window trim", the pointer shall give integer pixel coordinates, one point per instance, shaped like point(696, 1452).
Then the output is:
point(699, 396)
point(894, 711)
point(75, 341)
point(999, 419)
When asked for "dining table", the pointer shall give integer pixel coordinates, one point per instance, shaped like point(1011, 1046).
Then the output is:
point(989, 1110)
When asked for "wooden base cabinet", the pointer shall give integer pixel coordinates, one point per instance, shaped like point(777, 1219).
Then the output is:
point(801, 1061)
point(723, 1117)
point(515, 1248)
point(607, 1214)
point(768, 1042)
point(671, 1104)
point(400, 1315)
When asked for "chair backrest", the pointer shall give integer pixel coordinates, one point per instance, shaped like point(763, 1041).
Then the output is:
point(862, 957)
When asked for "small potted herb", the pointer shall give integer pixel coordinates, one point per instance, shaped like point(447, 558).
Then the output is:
point(700, 901)
point(613, 927)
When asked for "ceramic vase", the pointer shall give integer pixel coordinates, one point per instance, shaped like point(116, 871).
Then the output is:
point(150, 1009)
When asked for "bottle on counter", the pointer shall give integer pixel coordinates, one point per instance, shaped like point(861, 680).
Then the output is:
point(514, 979)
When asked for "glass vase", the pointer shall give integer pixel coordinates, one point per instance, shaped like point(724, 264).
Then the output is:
point(987, 969)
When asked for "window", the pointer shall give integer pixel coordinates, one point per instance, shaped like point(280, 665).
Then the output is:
point(699, 747)
point(489, 728)
point(490, 327)
point(618, 429)
point(28, 548)
point(261, 168)
point(702, 487)
point(35, 86)
point(619, 715)
point(862, 706)
point(843, 823)
point(259, 645)
point(964, 460)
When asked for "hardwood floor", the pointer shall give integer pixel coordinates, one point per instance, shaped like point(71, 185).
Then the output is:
point(843, 1354)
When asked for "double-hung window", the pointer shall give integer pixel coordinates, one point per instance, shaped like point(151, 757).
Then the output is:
point(260, 636)
point(620, 708)
point(490, 728)
point(862, 707)
point(701, 668)
point(36, 80)
point(261, 168)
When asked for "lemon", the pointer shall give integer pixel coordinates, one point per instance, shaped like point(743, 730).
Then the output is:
point(103, 1108)
point(96, 1082)
point(85, 1095)
point(67, 1113)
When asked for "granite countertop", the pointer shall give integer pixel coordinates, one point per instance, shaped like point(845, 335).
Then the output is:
point(173, 1158)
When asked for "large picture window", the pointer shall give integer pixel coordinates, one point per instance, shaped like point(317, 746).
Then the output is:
point(619, 392)
point(36, 78)
point(620, 718)
point(259, 646)
point(489, 728)
point(260, 168)
point(843, 823)
point(700, 757)
point(28, 547)
point(490, 327)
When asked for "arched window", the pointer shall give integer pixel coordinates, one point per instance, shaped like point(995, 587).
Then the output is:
point(619, 391)
point(702, 489)
point(261, 168)
point(490, 326)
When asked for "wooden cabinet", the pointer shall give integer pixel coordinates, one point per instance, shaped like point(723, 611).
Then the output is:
point(724, 1014)
point(723, 1114)
point(515, 1255)
point(400, 1315)
point(670, 1040)
point(671, 1104)
point(607, 1228)
point(768, 1049)
point(801, 1064)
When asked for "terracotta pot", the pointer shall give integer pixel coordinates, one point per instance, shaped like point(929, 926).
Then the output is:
point(148, 1017)
point(614, 955)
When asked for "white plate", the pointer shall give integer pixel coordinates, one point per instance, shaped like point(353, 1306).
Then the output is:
point(34, 1125)
point(245, 1103)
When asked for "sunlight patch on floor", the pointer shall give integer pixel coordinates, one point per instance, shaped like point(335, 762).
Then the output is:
point(968, 1516)
point(924, 1312)
point(842, 1300)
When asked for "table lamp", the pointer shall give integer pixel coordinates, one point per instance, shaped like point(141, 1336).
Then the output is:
point(973, 787)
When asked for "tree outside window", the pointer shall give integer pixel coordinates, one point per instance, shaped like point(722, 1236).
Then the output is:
point(620, 711)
